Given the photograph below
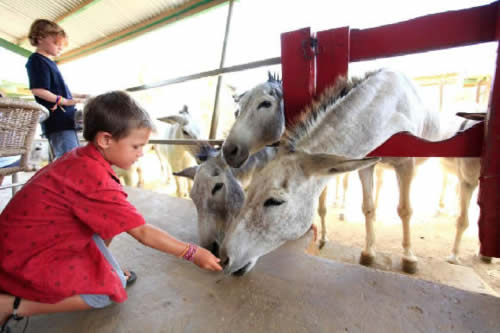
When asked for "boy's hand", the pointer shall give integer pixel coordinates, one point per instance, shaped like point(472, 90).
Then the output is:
point(206, 260)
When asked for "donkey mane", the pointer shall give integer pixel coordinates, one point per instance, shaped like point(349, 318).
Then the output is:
point(312, 114)
point(274, 77)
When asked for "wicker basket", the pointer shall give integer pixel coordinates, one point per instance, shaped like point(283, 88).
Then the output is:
point(18, 122)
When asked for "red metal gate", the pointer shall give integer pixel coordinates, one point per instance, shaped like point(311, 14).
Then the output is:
point(311, 63)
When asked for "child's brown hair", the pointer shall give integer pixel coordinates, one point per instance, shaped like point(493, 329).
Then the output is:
point(114, 112)
point(42, 28)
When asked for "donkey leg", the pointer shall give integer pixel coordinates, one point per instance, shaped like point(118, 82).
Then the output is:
point(405, 172)
point(322, 215)
point(164, 164)
point(379, 176)
point(178, 184)
point(140, 175)
point(337, 190)
point(442, 207)
point(368, 254)
point(345, 184)
point(465, 194)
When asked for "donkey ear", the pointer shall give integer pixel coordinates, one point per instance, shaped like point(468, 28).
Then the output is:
point(237, 98)
point(270, 76)
point(188, 172)
point(327, 165)
point(175, 119)
point(184, 110)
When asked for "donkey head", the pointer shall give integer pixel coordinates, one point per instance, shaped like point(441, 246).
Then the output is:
point(279, 206)
point(218, 197)
point(186, 126)
point(260, 121)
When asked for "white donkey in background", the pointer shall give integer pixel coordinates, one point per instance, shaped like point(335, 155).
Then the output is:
point(180, 126)
point(349, 121)
point(467, 170)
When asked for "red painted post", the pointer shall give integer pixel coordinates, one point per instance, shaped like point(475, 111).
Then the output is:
point(489, 181)
point(332, 60)
point(465, 144)
point(297, 68)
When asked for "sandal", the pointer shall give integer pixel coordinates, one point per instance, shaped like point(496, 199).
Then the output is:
point(132, 277)
point(13, 316)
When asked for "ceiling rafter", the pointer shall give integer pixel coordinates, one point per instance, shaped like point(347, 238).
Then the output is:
point(166, 17)
point(78, 9)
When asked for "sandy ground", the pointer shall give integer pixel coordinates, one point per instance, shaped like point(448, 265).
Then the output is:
point(432, 235)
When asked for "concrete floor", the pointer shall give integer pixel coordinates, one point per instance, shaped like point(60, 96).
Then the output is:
point(288, 291)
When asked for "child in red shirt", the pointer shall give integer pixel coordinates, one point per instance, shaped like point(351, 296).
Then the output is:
point(54, 231)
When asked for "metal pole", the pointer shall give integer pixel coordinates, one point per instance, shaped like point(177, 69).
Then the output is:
point(215, 114)
point(214, 72)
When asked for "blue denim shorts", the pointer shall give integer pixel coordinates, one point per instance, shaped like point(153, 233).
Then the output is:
point(63, 141)
point(101, 301)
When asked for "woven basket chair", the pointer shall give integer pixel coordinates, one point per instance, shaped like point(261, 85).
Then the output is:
point(18, 123)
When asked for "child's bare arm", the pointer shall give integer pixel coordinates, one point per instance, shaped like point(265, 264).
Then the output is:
point(51, 97)
point(82, 96)
point(161, 240)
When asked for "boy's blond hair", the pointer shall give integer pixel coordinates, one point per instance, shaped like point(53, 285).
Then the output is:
point(42, 28)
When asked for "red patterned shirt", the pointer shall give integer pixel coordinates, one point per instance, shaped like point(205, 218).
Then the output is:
point(46, 249)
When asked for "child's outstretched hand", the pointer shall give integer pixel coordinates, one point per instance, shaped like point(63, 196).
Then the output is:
point(206, 260)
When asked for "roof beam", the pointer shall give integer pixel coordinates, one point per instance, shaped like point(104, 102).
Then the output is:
point(78, 9)
point(167, 17)
point(14, 48)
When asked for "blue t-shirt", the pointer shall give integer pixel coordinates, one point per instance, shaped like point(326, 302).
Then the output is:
point(43, 73)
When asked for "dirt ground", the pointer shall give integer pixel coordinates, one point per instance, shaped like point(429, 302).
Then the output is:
point(432, 234)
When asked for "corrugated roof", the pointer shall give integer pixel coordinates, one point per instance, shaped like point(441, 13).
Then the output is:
point(91, 24)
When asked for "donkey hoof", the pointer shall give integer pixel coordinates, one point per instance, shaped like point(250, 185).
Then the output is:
point(453, 259)
point(485, 259)
point(409, 266)
point(366, 259)
point(321, 244)
point(341, 217)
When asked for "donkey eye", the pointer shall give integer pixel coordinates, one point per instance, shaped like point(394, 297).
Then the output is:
point(185, 132)
point(236, 113)
point(265, 104)
point(217, 187)
point(273, 202)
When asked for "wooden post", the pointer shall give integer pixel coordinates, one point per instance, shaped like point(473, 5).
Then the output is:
point(297, 68)
point(489, 181)
point(332, 59)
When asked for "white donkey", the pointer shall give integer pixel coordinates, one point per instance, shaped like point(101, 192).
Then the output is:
point(218, 192)
point(467, 171)
point(181, 126)
point(349, 121)
point(260, 121)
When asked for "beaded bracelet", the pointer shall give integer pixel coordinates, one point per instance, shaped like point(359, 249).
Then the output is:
point(58, 101)
point(184, 251)
point(189, 255)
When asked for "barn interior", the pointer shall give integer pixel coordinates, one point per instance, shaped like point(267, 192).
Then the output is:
point(294, 289)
